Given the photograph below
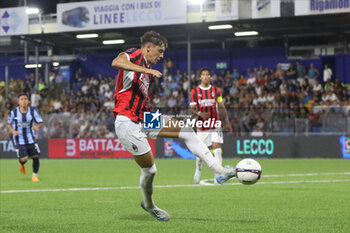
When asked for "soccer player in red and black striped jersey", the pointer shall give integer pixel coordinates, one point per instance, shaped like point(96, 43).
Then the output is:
point(131, 97)
point(206, 100)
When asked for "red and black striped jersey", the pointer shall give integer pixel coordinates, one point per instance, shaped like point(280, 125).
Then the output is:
point(131, 91)
point(206, 99)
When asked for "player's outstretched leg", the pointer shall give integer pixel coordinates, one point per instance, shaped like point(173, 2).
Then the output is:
point(146, 183)
point(197, 147)
point(223, 177)
point(198, 172)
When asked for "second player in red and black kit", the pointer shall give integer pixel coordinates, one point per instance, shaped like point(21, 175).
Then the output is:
point(206, 99)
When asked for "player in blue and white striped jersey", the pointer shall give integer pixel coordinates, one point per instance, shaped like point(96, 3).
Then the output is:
point(21, 124)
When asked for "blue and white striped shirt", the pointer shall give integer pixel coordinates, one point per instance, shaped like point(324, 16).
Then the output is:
point(23, 123)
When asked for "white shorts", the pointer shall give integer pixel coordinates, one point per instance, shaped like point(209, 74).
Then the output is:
point(132, 137)
point(210, 136)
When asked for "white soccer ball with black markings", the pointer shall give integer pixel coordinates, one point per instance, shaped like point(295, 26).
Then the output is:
point(248, 171)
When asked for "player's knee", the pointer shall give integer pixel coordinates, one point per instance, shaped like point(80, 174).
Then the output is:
point(24, 159)
point(147, 175)
point(149, 171)
point(152, 170)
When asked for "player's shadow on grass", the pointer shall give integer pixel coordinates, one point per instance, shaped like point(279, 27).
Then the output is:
point(139, 217)
point(149, 218)
point(243, 221)
point(142, 217)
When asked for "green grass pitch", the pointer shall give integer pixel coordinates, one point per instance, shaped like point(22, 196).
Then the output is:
point(287, 202)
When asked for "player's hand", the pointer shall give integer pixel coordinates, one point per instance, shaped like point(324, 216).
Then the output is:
point(155, 73)
point(35, 128)
point(204, 115)
point(14, 133)
point(228, 127)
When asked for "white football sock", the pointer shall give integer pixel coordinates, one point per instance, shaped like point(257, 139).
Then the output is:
point(218, 155)
point(198, 148)
point(146, 183)
point(199, 164)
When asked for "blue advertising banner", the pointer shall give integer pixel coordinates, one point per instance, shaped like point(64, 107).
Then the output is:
point(119, 14)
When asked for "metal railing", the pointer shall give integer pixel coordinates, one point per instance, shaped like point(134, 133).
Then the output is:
point(328, 121)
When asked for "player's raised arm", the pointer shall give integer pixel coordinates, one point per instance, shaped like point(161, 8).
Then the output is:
point(122, 62)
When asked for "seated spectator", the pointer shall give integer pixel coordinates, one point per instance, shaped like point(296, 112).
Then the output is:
point(248, 73)
point(329, 85)
point(344, 97)
point(156, 100)
point(270, 97)
point(57, 105)
point(235, 74)
point(172, 101)
point(279, 72)
point(261, 71)
point(317, 87)
point(185, 84)
point(242, 80)
point(251, 79)
point(108, 104)
point(256, 132)
point(339, 86)
point(329, 97)
point(104, 86)
point(290, 86)
point(283, 88)
point(291, 73)
point(258, 89)
point(178, 76)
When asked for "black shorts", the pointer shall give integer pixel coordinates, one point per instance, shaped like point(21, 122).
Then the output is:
point(27, 150)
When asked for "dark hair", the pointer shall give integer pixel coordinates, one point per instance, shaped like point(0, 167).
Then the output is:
point(205, 69)
point(154, 38)
point(22, 94)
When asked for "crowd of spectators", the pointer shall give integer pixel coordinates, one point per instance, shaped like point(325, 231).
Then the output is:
point(265, 99)
point(259, 99)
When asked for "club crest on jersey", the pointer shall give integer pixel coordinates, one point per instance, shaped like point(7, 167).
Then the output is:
point(134, 147)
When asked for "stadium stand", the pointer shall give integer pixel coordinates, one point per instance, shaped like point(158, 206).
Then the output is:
point(258, 99)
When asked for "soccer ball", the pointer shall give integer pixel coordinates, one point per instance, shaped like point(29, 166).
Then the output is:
point(248, 171)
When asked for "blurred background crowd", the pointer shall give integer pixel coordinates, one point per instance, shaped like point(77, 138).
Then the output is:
point(288, 99)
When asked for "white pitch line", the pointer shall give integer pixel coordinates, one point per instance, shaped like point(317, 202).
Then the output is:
point(169, 186)
point(209, 182)
point(309, 174)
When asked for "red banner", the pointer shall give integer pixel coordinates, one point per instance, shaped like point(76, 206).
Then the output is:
point(90, 148)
